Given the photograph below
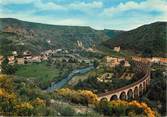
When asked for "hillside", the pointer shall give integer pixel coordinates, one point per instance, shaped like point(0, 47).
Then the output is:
point(37, 37)
point(112, 33)
point(148, 40)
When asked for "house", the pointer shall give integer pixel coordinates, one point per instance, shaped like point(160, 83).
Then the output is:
point(20, 61)
point(127, 64)
point(155, 60)
point(109, 59)
point(142, 59)
point(14, 53)
point(163, 60)
point(27, 55)
point(117, 49)
point(44, 57)
point(11, 59)
point(135, 58)
point(36, 59)
point(112, 62)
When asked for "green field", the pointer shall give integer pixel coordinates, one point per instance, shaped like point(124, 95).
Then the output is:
point(41, 73)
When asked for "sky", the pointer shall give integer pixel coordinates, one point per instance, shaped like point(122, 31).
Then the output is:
point(99, 14)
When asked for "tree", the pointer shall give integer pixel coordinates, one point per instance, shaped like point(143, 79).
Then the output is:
point(122, 62)
point(119, 70)
point(7, 68)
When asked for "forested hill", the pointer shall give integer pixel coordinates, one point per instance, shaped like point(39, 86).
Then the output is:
point(36, 37)
point(148, 40)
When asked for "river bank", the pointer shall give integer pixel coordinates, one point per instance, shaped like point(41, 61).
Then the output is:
point(61, 83)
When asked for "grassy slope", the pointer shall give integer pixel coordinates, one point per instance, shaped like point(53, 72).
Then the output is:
point(40, 73)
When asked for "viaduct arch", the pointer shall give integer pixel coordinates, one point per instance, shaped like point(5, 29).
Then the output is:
point(134, 90)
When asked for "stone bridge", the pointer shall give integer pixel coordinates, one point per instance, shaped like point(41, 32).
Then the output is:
point(134, 90)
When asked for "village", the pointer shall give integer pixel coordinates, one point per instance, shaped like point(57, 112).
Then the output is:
point(57, 55)
point(72, 55)
point(112, 62)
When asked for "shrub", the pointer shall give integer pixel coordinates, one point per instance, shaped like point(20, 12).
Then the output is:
point(81, 96)
point(124, 108)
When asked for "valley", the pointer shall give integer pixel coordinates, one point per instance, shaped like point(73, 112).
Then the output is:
point(51, 70)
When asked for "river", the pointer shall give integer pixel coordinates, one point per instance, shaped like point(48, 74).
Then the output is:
point(61, 83)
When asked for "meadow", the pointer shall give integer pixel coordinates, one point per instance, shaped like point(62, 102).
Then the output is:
point(41, 73)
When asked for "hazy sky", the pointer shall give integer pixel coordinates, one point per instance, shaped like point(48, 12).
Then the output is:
point(99, 14)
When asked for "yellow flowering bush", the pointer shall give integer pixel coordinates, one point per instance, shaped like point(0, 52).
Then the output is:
point(2, 78)
point(24, 109)
point(2, 93)
point(80, 96)
point(6, 83)
point(90, 96)
point(65, 92)
point(143, 105)
point(125, 108)
point(39, 101)
point(24, 105)
point(7, 95)
point(119, 103)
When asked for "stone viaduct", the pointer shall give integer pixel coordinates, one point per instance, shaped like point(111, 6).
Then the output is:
point(134, 90)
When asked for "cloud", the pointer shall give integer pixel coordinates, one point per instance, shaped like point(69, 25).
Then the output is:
point(83, 5)
point(121, 7)
point(95, 13)
point(48, 5)
point(132, 14)
point(28, 16)
point(149, 5)
point(5, 2)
